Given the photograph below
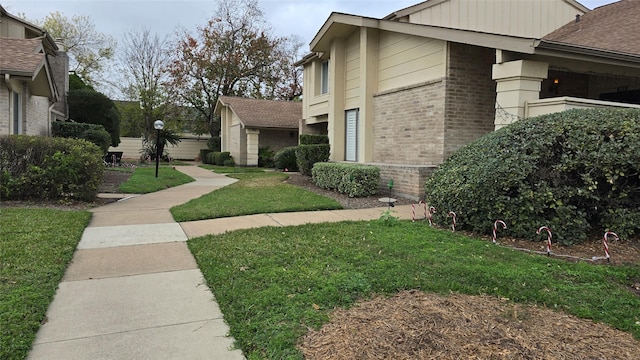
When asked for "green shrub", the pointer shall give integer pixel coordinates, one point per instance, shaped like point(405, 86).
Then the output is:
point(313, 139)
point(90, 132)
point(265, 157)
point(204, 154)
point(575, 171)
point(355, 180)
point(212, 158)
point(91, 107)
point(230, 162)
point(308, 155)
point(36, 167)
point(286, 159)
point(214, 143)
point(222, 157)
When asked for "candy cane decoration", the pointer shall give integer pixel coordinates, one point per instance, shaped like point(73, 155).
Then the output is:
point(453, 223)
point(548, 238)
point(495, 228)
point(605, 243)
point(432, 211)
point(413, 210)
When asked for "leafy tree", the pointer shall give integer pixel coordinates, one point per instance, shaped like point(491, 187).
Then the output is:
point(76, 83)
point(233, 54)
point(92, 107)
point(88, 48)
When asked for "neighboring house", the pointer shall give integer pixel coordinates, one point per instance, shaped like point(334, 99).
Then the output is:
point(33, 78)
point(406, 91)
point(250, 124)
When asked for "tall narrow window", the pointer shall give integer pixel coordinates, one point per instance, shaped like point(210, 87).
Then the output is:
point(351, 134)
point(17, 124)
point(324, 78)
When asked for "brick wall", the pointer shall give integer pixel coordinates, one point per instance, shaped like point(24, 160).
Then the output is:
point(408, 126)
point(278, 139)
point(408, 180)
point(471, 96)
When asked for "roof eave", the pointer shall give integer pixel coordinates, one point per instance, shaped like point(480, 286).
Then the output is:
point(549, 47)
point(338, 25)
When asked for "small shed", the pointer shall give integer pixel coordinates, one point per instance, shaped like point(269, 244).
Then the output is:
point(246, 125)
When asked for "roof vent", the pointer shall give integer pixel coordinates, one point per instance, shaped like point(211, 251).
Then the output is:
point(577, 18)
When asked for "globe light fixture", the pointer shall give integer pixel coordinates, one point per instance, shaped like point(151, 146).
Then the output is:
point(158, 125)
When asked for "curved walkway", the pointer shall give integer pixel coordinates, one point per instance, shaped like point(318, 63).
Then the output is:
point(134, 291)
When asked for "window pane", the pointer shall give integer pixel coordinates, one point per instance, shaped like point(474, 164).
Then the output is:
point(324, 81)
point(351, 131)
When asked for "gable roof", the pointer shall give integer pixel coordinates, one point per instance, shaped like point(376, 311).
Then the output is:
point(258, 113)
point(31, 31)
point(614, 27)
point(22, 57)
point(25, 58)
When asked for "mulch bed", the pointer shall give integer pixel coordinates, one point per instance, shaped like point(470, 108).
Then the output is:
point(415, 325)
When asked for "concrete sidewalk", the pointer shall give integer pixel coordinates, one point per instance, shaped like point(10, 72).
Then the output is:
point(133, 289)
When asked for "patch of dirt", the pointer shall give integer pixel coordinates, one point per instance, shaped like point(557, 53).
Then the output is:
point(415, 325)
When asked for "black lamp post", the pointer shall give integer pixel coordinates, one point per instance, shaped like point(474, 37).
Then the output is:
point(158, 125)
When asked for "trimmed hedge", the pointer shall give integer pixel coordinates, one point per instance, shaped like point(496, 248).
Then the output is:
point(308, 155)
point(218, 158)
point(576, 172)
point(37, 167)
point(313, 139)
point(90, 132)
point(355, 180)
point(286, 159)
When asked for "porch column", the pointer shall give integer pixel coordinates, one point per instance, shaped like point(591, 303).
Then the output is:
point(517, 82)
point(253, 137)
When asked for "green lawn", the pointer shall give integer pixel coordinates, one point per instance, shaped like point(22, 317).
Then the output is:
point(144, 180)
point(273, 283)
point(35, 247)
point(254, 193)
point(231, 169)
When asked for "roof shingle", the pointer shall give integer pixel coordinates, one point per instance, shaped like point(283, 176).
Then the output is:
point(265, 113)
point(21, 56)
point(614, 27)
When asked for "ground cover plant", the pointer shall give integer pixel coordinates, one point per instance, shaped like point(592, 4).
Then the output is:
point(35, 247)
point(144, 180)
point(577, 172)
point(254, 193)
point(273, 284)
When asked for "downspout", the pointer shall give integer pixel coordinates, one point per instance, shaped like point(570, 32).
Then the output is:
point(49, 119)
point(7, 80)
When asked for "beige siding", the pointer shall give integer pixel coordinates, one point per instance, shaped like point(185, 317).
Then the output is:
point(406, 60)
point(352, 76)
point(527, 18)
point(187, 149)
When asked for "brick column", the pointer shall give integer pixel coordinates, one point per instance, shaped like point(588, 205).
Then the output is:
point(517, 82)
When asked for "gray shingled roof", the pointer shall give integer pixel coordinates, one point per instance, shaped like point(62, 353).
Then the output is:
point(21, 56)
point(259, 113)
point(614, 27)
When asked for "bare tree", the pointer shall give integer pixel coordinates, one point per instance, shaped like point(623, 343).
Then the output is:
point(88, 49)
point(144, 60)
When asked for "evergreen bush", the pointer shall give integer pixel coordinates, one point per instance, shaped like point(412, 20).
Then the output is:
point(37, 167)
point(313, 139)
point(286, 159)
point(355, 180)
point(90, 132)
point(308, 155)
point(576, 172)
